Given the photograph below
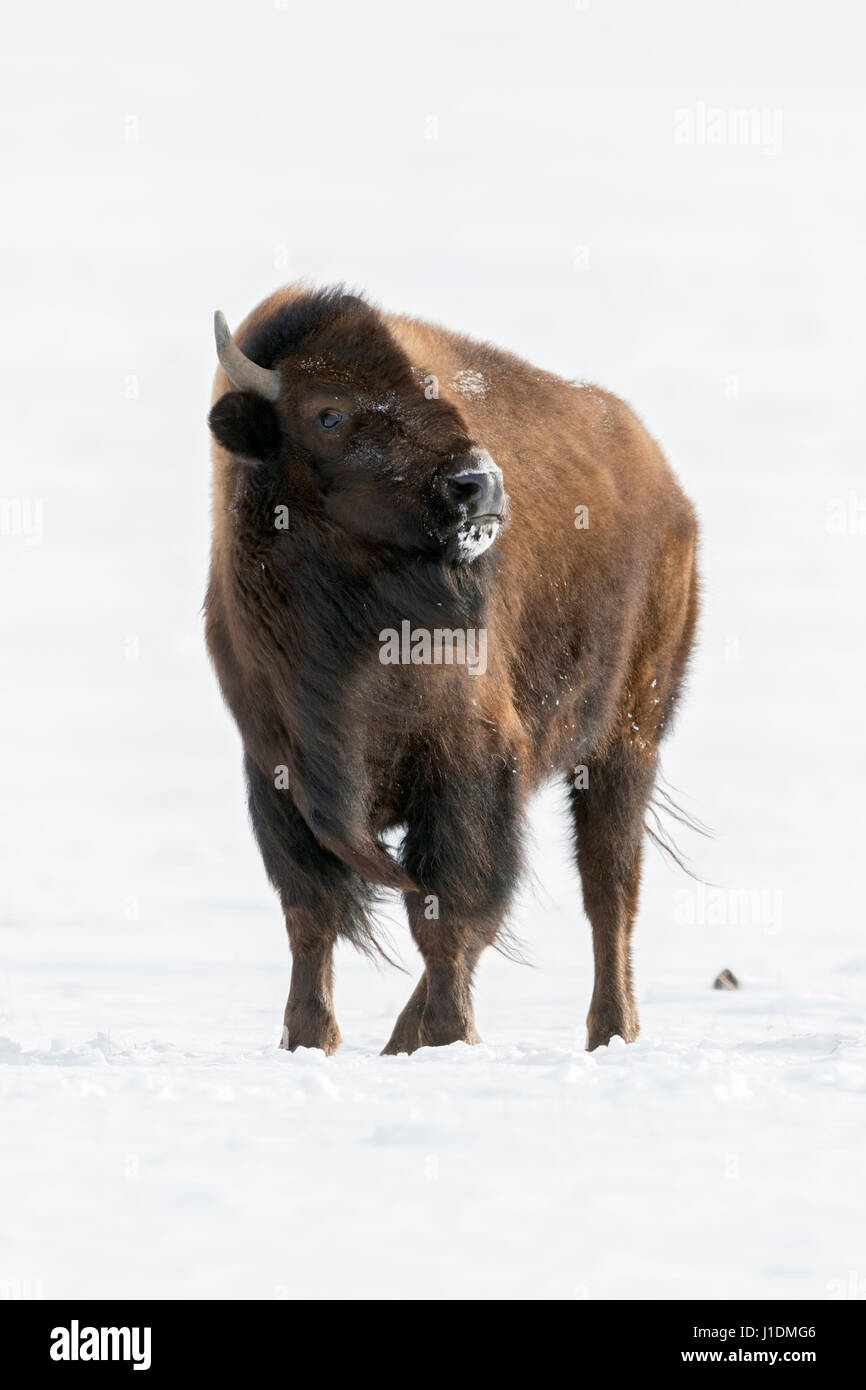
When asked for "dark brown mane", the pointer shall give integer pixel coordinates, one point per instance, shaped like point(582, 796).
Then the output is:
point(292, 325)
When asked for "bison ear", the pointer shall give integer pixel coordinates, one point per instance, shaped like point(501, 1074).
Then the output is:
point(246, 425)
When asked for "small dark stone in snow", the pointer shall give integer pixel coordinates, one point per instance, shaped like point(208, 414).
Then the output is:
point(726, 980)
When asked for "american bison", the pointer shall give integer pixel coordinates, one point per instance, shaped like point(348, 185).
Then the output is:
point(440, 576)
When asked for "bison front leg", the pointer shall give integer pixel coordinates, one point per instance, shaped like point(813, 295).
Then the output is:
point(609, 818)
point(440, 1010)
point(322, 900)
point(464, 854)
point(309, 1019)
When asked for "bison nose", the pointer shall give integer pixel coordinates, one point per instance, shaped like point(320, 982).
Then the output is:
point(480, 491)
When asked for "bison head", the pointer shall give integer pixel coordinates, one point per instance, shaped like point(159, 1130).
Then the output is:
point(325, 396)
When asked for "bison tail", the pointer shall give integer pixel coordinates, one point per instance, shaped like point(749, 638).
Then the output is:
point(368, 859)
point(662, 835)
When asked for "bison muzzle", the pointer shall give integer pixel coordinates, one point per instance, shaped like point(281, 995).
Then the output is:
point(376, 475)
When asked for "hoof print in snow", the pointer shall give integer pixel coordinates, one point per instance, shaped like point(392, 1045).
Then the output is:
point(726, 980)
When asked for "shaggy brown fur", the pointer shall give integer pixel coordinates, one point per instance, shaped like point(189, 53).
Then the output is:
point(589, 619)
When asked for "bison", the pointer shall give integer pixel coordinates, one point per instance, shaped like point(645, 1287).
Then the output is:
point(385, 490)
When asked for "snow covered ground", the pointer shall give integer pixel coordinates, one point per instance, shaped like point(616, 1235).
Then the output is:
point(543, 178)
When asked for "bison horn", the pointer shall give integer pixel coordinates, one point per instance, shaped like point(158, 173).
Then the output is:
point(243, 374)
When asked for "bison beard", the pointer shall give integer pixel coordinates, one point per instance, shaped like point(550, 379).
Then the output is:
point(323, 415)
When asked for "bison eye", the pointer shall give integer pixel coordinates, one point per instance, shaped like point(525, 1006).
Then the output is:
point(329, 418)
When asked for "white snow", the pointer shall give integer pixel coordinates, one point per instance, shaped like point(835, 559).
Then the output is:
point(470, 383)
point(474, 538)
point(153, 1139)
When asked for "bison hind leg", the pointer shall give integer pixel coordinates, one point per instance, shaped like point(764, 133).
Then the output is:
point(406, 1035)
point(462, 847)
point(439, 1011)
point(609, 814)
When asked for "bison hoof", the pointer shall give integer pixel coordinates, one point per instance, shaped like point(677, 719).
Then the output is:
point(465, 1033)
point(405, 1040)
point(601, 1028)
point(401, 1042)
point(311, 1030)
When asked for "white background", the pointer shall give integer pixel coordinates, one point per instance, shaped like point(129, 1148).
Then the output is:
point(514, 172)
